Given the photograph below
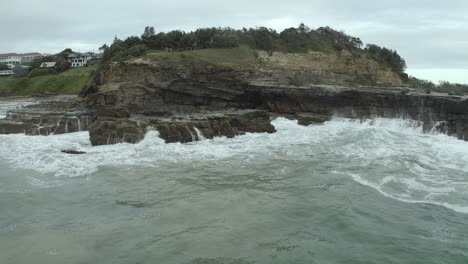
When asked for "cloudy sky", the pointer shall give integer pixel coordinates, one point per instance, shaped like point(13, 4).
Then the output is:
point(432, 35)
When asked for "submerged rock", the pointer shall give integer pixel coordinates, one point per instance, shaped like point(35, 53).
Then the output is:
point(73, 151)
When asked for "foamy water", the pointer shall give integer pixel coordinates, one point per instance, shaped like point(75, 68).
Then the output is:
point(10, 105)
point(392, 156)
point(378, 191)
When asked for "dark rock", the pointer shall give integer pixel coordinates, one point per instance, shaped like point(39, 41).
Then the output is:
point(12, 127)
point(107, 130)
point(72, 151)
point(307, 119)
point(405, 91)
point(113, 111)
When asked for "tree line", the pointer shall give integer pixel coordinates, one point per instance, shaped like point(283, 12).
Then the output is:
point(291, 40)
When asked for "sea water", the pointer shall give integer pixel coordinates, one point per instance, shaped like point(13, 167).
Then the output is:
point(347, 191)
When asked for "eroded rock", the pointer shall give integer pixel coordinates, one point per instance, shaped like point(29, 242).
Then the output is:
point(108, 130)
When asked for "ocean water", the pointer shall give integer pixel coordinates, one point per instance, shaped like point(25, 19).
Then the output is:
point(347, 191)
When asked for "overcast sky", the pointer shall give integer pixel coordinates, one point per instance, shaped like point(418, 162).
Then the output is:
point(432, 35)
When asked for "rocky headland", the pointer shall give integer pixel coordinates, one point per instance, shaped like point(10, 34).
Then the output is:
point(192, 95)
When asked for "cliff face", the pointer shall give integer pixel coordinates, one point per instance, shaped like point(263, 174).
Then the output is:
point(225, 77)
point(322, 68)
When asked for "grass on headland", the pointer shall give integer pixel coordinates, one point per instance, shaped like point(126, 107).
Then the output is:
point(68, 82)
point(240, 56)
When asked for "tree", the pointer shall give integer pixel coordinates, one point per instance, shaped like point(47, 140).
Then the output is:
point(387, 57)
point(137, 50)
point(132, 41)
point(148, 33)
point(4, 67)
point(104, 48)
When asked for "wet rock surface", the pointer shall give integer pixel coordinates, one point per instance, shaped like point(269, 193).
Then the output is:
point(110, 130)
point(57, 115)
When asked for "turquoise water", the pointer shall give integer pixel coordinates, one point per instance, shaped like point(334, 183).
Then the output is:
point(378, 191)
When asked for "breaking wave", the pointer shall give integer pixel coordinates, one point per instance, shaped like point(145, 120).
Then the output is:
point(392, 156)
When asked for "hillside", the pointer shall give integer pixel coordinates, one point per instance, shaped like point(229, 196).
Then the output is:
point(68, 82)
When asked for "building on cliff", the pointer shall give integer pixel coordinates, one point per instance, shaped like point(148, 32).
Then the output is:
point(6, 72)
point(82, 59)
point(14, 59)
point(48, 65)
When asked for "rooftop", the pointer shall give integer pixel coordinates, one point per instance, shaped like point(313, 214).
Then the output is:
point(20, 54)
point(49, 64)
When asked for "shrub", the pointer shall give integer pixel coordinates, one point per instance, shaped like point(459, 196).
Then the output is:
point(38, 72)
point(137, 50)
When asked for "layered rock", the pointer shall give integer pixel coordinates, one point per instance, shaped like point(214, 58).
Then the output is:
point(46, 118)
point(446, 114)
point(111, 130)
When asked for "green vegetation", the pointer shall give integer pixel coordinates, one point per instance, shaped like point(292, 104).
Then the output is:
point(386, 57)
point(442, 87)
point(151, 51)
point(60, 58)
point(451, 88)
point(38, 72)
point(292, 40)
point(68, 82)
point(4, 67)
point(242, 55)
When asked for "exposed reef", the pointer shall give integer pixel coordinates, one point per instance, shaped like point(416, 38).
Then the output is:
point(57, 115)
point(110, 130)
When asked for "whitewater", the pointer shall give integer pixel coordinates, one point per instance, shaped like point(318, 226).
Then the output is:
point(377, 190)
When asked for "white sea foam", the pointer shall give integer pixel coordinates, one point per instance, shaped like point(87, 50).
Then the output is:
point(392, 156)
point(5, 106)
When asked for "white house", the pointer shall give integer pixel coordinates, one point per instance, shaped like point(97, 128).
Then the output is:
point(83, 59)
point(30, 57)
point(78, 59)
point(6, 72)
point(10, 59)
point(14, 59)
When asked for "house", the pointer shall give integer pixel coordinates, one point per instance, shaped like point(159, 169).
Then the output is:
point(30, 57)
point(78, 59)
point(6, 72)
point(48, 65)
point(95, 59)
point(10, 59)
point(14, 59)
point(82, 59)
